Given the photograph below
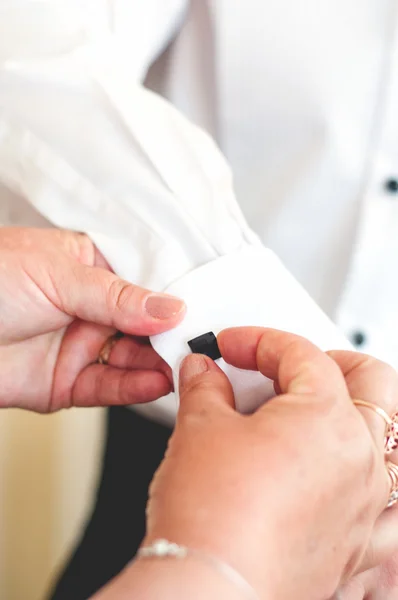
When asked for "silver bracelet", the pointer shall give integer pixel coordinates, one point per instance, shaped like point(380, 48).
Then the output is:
point(165, 549)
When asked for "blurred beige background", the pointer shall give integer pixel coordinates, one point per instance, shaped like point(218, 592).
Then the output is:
point(49, 467)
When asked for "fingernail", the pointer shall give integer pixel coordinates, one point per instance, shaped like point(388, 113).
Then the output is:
point(191, 366)
point(163, 307)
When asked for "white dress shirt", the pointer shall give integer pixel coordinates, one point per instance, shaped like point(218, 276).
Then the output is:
point(301, 98)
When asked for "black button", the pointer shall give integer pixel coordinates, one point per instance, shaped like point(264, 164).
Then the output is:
point(205, 344)
point(391, 185)
point(358, 338)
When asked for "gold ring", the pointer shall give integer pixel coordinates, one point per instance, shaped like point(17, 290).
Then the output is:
point(377, 409)
point(391, 433)
point(392, 470)
point(105, 352)
point(390, 444)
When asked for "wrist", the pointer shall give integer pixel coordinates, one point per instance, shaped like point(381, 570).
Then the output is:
point(224, 543)
point(170, 579)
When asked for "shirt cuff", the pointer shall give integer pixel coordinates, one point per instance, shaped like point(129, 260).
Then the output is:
point(248, 287)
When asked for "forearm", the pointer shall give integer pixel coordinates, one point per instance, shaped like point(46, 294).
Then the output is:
point(170, 579)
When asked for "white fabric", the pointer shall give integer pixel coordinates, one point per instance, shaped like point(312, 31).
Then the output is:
point(301, 97)
point(248, 287)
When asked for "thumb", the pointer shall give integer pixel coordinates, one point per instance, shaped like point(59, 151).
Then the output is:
point(99, 296)
point(203, 386)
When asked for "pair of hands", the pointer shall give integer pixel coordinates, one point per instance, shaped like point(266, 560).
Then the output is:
point(313, 464)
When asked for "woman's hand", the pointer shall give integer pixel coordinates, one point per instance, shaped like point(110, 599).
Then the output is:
point(289, 496)
point(59, 303)
point(374, 381)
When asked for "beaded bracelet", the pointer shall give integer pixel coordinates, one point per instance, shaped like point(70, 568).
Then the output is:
point(165, 549)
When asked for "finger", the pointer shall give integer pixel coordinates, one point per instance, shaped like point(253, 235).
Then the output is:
point(371, 380)
point(203, 386)
point(295, 363)
point(384, 540)
point(99, 296)
point(379, 583)
point(103, 385)
point(355, 589)
point(132, 353)
point(80, 346)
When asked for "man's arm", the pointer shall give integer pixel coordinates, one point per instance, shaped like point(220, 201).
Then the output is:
point(93, 151)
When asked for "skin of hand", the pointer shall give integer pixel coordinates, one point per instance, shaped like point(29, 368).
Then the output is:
point(289, 495)
point(59, 303)
point(379, 583)
point(374, 381)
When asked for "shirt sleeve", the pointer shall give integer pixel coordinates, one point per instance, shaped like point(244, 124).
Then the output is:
point(92, 150)
point(113, 159)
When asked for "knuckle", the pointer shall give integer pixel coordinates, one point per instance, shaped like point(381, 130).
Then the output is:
point(121, 294)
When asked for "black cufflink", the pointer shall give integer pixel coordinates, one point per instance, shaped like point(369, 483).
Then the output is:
point(205, 344)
